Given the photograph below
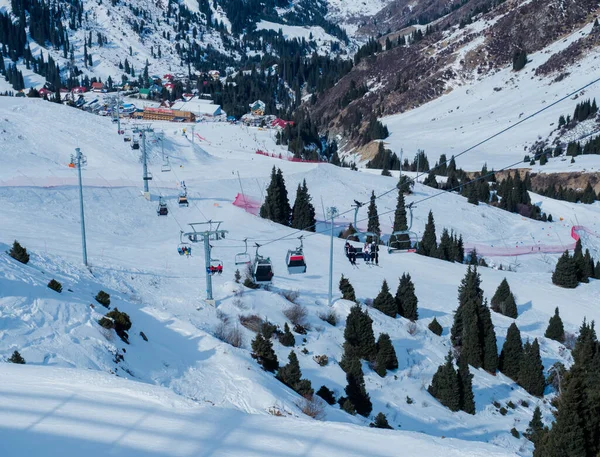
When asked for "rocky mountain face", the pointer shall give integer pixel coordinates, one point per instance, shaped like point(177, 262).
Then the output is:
point(474, 39)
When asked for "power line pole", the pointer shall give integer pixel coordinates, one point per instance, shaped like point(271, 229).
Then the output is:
point(118, 113)
point(204, 236)
point(332, 212)
point(81, 161)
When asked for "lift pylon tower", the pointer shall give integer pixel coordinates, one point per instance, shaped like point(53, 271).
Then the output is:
point(205, 232)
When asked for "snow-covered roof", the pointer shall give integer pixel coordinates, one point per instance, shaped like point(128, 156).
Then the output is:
point(198, 106)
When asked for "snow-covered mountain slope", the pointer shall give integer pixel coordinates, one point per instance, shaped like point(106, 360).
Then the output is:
point(133, 257)
point(475, 110)
point(60, 412)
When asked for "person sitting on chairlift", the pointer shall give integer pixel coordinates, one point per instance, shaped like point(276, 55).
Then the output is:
point(219, 268)
point(367, 252)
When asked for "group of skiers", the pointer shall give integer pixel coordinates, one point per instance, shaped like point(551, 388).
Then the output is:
point(370, 253)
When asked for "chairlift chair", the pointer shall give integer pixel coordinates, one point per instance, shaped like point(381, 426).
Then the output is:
point(162, 209)
point(126, 139)
point(215, 267)
point(295, 260)
point(135, 144)
point(184, 248)
point(262, 272)
point(407, 245)
point(359, 236)
point(166, 166)
point(243, 258)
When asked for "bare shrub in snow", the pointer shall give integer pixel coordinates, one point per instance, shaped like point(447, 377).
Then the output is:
point(290, 295)
point(230, 335)
point(570, 340)
point(312, 406)
point(296, 314)
point(222, 316)
point(369, 302)
point(330, 317)
point(411, 328)
point(252, 322)
point(322, 360)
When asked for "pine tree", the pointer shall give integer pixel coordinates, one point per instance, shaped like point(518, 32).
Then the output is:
point(346, 289)
point(490, 347)
point(445, 386)
point(355, 389)
point(359, 335)
point(380, 422)
point(384, 301)
point(276, 206)
point(555, 330)
point(435, 327)
point(16, 358)
point(373, 222)
point(19, 253)
point(531, 372)
point(406, 299)
point(503, 301)
point(467, 401)
point(567, 437)
point(386, 355)
point(428, 244)
point(565, 273)
point(303, 212)
point(536, 426)
point(580, 263)
point(262, 351)
point(290, 374)
point(400, 224)
point(287, 338)
point(511, 356)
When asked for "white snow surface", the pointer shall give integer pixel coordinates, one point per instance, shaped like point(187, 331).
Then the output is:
point(133, 256)
point(62, 412)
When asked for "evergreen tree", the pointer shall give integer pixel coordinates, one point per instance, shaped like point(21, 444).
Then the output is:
point(373, 222)
point(536, 426)
point(445, 386)
point(276, 206)
point(303, 212)
point(287, 338)
point(356, 390)
point(406, 299)
point(380, 422)
point(565, 273)
point(567, 436)
point(358, 334)
point(435, 327)
point(290, 374)
point(531, 372)
point(511, 356)
point(428, 245)
point(384, 301)
point(467, 401)
point(490, 347)
point(262, 351)
point(555, 330)
point(503, 301)
point(326, 394)
point(580, 262)
point(16, 358)
point(346, 289)
point(400, 224)
point(19, 253)
point(386, 355)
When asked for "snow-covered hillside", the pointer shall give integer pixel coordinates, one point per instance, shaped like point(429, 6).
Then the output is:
point(59, 412)
point(479, 106)
point(133, 256)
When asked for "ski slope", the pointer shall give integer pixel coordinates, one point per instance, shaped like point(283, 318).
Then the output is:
point(477, 107)
point(133, 256)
